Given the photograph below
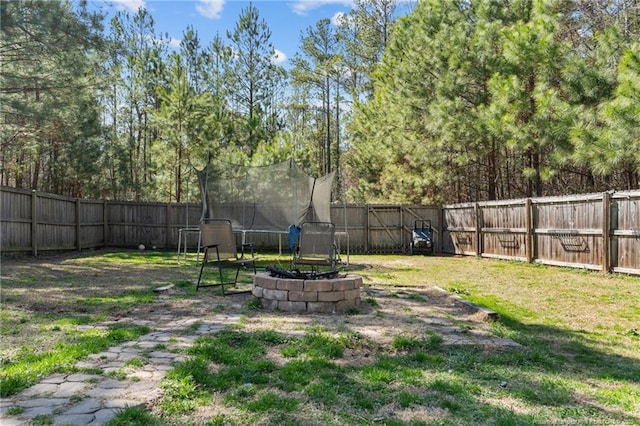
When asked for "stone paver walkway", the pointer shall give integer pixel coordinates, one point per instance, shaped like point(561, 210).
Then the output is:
point(95, 399)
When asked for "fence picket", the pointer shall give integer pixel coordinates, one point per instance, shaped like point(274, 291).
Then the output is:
point(594, 231)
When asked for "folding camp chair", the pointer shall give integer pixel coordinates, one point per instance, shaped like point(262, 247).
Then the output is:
point(316, 246)
point(219, 246)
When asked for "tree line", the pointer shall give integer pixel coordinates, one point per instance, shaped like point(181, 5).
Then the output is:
point(486, 99)
point(452, 101)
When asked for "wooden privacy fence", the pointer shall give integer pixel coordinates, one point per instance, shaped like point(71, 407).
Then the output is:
point(34, 221)
point(591, 231)
point(594, 231)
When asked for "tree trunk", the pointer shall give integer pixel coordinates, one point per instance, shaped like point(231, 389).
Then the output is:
point(492, 173)
point(328, 115)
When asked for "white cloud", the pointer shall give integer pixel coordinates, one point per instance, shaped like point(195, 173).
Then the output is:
point(210, 8)
point(301, 7)
point(130, 5)
point(174, 42)
point(278, 57)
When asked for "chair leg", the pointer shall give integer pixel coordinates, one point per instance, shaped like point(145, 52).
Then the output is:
point(235, 281)
point(220, 271)
point(204, 261)
point(219, 263)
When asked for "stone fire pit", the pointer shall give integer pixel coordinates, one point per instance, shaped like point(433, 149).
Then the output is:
point(306, 295)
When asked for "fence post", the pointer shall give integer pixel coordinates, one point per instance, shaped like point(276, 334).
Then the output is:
point(105, 223)
point(167, 240)
point(478, 214)
point(402, 245)
point(366, 228)
point(78, 225)
point(528, 242)
point(440, 240)
point(34, 223)
point(606, 232)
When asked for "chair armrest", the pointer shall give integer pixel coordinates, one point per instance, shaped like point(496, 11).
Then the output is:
point(242, 249)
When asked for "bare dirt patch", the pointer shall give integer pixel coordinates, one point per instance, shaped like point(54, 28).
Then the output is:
point(38, 291)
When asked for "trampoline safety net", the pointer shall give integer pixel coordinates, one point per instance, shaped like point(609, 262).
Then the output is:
point(266, 198)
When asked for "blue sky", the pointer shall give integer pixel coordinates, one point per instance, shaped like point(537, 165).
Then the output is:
point(286, 18)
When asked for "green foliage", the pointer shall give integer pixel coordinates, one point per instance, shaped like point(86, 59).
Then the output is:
point(236, 376)
point(135, 362)
point(316, 71)
point(50, 121)
point(30, 367)
point(180, 393)
point(118, 374)
point(621, 135)
point(42, 419)
point(412, 343)
point(14, 410)
point(487, 99)
point(122, 301)
point(454, 101)
point(270, 401)
point(254, 80)
point(132, 416)
point(229, 347)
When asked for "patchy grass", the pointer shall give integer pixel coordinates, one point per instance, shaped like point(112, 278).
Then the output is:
point(578, 361)
point(135, 416)
point(30, 365)
point(602, 308)
point(234, 372)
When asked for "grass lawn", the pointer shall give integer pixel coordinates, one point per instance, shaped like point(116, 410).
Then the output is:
point(578, 361)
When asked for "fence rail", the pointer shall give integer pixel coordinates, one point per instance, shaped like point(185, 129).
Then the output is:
point(592, 231)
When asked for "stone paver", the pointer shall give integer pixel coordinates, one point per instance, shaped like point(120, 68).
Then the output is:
point(95, 399)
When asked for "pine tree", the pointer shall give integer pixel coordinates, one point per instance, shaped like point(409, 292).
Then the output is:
point(137, 69)
point(49, 77)
point(252, 76)
point(364, 33)
point(617, 148)
point(317, 69)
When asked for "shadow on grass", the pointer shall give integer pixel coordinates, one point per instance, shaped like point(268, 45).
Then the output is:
point(420, 384)
point(577, 350)
point(557, 376)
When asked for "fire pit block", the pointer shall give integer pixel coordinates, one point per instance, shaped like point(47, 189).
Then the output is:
point(323, 296)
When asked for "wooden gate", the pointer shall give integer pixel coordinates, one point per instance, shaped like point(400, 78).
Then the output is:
point(385, 229)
